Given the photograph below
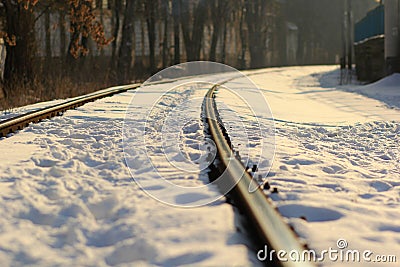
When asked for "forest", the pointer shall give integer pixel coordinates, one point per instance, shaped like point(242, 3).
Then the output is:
point(58, 49)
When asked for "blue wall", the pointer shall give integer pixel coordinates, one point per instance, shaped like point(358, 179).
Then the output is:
point(371, 25)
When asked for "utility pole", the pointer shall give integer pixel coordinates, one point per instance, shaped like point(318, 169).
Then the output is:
point(343, 61)
point(349, 34)
point(343, 58)
point(344, 53)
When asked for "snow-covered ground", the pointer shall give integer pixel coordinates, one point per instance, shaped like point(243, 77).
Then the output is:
point(68, 197)
point(336, 165)
point(385, 90)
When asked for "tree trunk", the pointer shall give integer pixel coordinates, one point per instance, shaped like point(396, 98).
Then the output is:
point(2, 57)
point(216, 23)
point(85, 45)
point(20, 55)
point(224, 40)
point(257, 29)
point(281, 32)
point(125, 51)
point(219, 9)
point(73, 42)
point(48, 35)
point(214, 42)
point(194, 38)
point(48, 60)
point(63, 39)
point(151, 32)
point(176, 14)
point(116, 8)
point(165, 37)
point(82, 27)
point(243, 41)
point(101, 21)
point(198, 30)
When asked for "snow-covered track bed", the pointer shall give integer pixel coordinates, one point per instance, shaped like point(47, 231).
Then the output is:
point(268, 227)
point(19, 122)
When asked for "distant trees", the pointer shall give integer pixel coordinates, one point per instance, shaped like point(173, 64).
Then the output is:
point(142, 36)
point(21, 17)
point(227, 31)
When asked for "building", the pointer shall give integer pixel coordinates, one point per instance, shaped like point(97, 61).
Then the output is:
point(392, 36)
point(377, 42)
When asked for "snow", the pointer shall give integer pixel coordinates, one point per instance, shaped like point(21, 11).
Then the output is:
point(10, 113)
point(385, 90)
point(337, 159)
point(167, 142)
point(13, 112)
point(332, 152)
point(69, 199)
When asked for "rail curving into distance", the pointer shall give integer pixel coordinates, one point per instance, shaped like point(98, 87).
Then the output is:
point(267, 225)
point(22, 121)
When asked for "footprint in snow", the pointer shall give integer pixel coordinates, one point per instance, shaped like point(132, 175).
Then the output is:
point(311, 214)
point(44, 163)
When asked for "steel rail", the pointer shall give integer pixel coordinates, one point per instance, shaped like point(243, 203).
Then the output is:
point(267, 224)
point(22, 121)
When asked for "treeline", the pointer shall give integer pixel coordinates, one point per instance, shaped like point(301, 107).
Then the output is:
point(101, 42)
point(170, 32)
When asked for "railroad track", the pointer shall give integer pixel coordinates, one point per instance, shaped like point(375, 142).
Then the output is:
point(22, 121)
point(267, 225)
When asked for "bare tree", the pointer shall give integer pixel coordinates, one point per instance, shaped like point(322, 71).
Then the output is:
point(20, 44)
point(125, 51)
point(165, 43)
point(219, 10)
point(193, 21)
point(150, 7)
point(258, 17)
point(117, 10)
point(176, 13)
point(63, 32)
